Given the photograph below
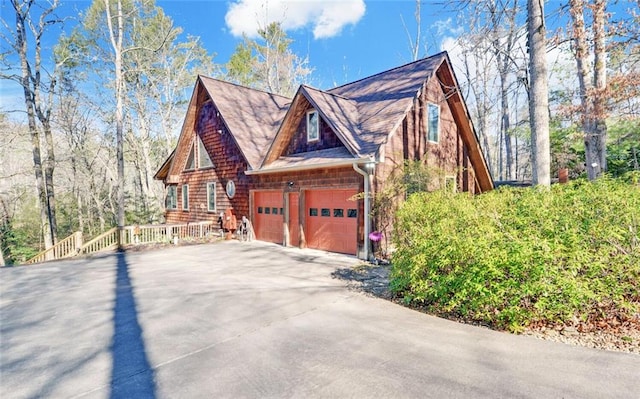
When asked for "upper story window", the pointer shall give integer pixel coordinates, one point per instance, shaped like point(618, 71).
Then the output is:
point(433, 122)
point(198, 155)
point(171, 201)
point(313, 133)
point(191, 161)
point(204, 160)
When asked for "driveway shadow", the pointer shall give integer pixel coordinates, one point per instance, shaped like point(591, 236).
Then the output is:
point(131, 373)
point(373, 280)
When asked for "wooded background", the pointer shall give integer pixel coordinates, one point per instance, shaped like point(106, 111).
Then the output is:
point(105, 108)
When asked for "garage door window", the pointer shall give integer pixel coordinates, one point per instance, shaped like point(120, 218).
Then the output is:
point(267, 211)
point(259, 209)
point(313, 211)
point(338, 213)
point(352, 213)
point(325, 212)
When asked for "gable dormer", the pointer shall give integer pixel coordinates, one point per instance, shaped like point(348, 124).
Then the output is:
point(312, 133)
point(316, 121)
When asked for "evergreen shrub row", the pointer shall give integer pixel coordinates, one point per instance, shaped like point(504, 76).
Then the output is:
point(515, 257)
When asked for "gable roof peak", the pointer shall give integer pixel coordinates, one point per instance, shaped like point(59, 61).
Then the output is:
point(325, 92)
point(205, 77)
point(429, 58)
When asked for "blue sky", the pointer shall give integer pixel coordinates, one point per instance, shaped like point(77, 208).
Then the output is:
point(360, 37)
point(345, 40)
point(366, 44)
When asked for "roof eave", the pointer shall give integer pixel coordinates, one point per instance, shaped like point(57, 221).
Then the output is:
point(163, 171)
point(297, 168)
point(469, 134)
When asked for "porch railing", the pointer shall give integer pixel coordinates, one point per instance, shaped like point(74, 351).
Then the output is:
point(129, 235)
point(65, 248)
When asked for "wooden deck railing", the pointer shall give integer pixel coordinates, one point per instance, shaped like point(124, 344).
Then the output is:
point(104, 242)
point(149, 234)
point(65, 248)
point(130, 235)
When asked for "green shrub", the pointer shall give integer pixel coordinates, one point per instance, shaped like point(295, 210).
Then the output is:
point(512, 257)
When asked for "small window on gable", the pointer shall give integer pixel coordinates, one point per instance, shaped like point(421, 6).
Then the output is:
point(433, 122)
point(312, 126)
point(191, 160)
point(211, 197)
point(172, 197)
point(204, 161)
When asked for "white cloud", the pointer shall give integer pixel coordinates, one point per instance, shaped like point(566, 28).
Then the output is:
point(444, 27)
point(326, 18)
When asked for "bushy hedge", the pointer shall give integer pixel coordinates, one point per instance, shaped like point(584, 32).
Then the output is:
point(512, 257)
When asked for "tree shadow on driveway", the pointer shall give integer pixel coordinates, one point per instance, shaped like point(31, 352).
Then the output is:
point(131, 373)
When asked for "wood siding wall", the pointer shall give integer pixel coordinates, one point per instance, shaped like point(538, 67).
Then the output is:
point(298, 143)
point(448, 156)
point(229, 164)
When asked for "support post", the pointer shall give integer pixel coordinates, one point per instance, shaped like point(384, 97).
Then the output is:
point(78, 242)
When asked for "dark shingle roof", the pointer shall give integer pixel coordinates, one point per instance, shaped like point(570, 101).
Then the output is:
point(383, 99)
point(339, 112)
point(252, 116)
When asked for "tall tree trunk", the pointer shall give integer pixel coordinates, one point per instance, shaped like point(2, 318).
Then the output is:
point(49, 166)
point(116, 37)
point(27, 79)
point(592, 87)
point(600, 83)
point(539, 98)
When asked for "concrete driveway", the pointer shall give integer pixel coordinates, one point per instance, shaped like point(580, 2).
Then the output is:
point(257, 320)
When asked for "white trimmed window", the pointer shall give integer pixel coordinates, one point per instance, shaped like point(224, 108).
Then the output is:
point(199, 156)
point(313, 133)
point(204, 160)
point(191, 160)
point(433, 122)
point(211, 197)
point(185, 197)
point(171, 202)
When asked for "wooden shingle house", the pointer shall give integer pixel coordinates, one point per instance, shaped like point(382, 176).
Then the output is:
point(292, 166)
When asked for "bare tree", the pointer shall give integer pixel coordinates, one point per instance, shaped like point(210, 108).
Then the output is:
point(38, 98)
point(112, 22)
point(505, 35)
point(592, 80)
point(539, 94)
point(414, 46)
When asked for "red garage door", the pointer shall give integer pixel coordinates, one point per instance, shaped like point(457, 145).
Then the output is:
point(332, 220)
point(268, 217)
